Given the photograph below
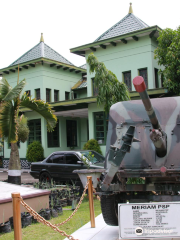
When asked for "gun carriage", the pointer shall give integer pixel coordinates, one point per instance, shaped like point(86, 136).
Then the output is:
point(143, 142)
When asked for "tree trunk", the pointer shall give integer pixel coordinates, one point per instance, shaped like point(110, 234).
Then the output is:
point(14, 172)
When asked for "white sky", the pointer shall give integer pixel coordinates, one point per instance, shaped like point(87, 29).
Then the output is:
point(71, 23)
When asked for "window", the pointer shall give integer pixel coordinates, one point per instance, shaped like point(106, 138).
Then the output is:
point(56, 95)
point(156, 78)
point(28, 92)
point(37, 93)
point(53, 137)
point(58, 159)
point(101, 127)
point(35, 130)
point(143, 73)
point(48, 95)
point(75, 95)
point(67, 95)
point(71, 132)
point(127, 79)
point(71, 159)
point(95, 89)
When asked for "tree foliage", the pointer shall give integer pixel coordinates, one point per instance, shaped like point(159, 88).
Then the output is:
point(23, 129)
point(168, 55)
point(11, 102)
point(110, 90)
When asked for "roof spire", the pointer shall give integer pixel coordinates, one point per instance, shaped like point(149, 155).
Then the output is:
point(130, 8)
point(41, 39)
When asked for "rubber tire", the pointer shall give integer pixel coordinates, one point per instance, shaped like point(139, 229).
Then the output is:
point(109, 208)
point(45, 177)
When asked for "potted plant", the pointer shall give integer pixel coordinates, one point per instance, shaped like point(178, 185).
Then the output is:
point(54, 213)
point(83, 173)
point(26, 219)
point(5, 227)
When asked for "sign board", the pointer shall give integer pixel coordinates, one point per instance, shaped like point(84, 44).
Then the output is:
point(149, 220)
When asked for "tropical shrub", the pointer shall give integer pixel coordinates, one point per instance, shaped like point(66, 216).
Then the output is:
point(92, 144)
point(35, 152)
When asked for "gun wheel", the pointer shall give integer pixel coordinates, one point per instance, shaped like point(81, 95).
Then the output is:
point(109, 207)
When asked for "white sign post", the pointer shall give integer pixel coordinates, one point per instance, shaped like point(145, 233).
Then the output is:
point(149, 220)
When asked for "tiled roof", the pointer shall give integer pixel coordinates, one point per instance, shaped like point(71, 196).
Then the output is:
point(39, 51)
point(83, 66)
point(129, 23)
point(80, 84)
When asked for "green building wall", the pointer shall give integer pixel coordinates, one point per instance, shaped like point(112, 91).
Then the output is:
point(44, 76)
point(132, 56)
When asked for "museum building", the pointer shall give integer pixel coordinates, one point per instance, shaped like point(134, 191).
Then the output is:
point(127, 49)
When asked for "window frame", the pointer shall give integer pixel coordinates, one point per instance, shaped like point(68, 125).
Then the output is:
point(156, 77)
point(105, 126)
point(50, 137)
point(76, 138)
point(66, 95)
point(56, 91)
point(48, 94)
point(130, 79)
point(36, 93)
point(34, 130)
point(141, 69)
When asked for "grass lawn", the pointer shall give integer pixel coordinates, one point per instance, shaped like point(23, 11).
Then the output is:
point(42, 232)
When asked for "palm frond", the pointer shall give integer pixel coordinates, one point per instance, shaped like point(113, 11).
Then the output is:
point(14, 93)
point(41, 107)
point(8, 120)
point(4, 88)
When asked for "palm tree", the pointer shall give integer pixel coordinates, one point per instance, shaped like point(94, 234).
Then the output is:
point(11, 100)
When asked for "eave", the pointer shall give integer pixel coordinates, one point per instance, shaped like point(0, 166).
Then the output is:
point(157, 91)
point(33, 63)
point(80, 101)
point(68, 103)
point(136, 35)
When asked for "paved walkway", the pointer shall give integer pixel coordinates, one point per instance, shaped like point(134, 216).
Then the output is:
point(25, 176)
point(102, 232)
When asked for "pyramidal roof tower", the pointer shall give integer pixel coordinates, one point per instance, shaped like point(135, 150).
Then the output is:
point(41, 50)
point(129, 23)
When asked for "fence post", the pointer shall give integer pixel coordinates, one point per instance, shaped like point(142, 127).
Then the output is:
point(91, 202)
point(17, 216)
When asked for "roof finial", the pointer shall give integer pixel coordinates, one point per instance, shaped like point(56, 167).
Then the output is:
point(130, 8)
point(41, 39)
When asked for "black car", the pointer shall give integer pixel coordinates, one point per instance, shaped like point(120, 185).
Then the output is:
point(59, 166)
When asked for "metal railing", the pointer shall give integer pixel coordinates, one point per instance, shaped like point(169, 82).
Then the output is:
point(17, 200)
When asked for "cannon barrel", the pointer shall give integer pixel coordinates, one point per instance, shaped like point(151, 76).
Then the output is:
point(157, 136)
point(140, 87)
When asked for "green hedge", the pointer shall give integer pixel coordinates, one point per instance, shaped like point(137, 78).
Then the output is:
point(92, 144)
point(35, 152)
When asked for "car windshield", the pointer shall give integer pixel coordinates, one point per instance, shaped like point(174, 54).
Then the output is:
point(92, 156)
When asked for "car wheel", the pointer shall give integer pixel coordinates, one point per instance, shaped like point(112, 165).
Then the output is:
point(45, 177)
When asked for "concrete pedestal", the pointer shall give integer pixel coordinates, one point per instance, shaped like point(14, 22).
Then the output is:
point(35, 198)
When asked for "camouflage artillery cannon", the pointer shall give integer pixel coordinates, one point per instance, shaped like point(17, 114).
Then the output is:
point(143, 141)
